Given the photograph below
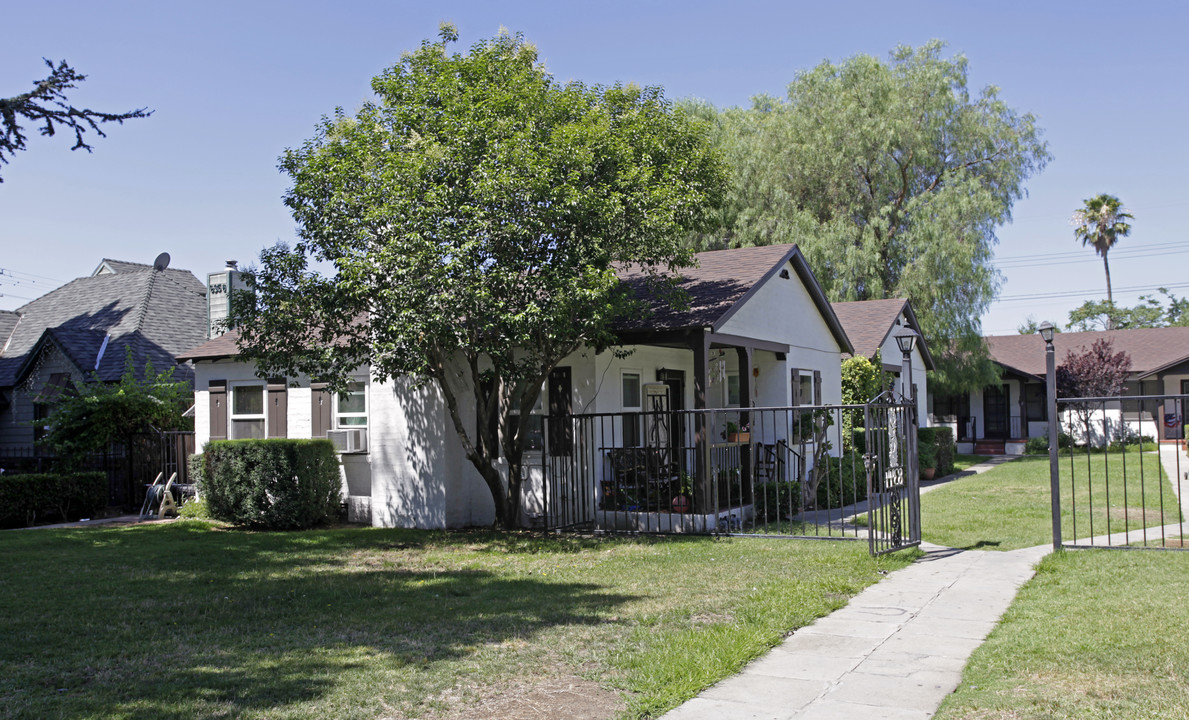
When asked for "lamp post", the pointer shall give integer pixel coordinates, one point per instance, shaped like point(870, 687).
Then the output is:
point(1046, 331)
point(906, 342)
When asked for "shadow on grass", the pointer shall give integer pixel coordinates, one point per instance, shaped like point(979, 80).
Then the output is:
point(186, 621)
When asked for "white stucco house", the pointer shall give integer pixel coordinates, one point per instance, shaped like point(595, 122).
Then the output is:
point(872, 326)
point(1002, 417)
point(758, 332)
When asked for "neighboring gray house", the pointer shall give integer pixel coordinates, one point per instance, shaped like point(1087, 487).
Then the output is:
point(60, 339)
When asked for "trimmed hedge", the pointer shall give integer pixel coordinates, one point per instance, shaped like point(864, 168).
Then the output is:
point(846, 482)
point(25, 499)
point(274, 484)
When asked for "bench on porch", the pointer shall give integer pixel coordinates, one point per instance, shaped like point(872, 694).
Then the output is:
point(640, 478)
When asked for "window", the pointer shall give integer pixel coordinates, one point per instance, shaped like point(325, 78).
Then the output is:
point(733, 390)
point(350, 407)
point(247, 412)
point(1131, 408)
point(1035, 403)
point(533, 439)
point(631, 407)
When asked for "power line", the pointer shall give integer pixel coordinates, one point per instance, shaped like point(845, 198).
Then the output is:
point(1083, 293)
point(1117, 252)
point(11, 273)
point(1124, 256)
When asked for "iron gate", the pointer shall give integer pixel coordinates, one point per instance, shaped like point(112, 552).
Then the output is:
point(809, 471)
point(1119, 472)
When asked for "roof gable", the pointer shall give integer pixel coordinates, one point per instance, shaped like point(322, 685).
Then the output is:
point(869, 323)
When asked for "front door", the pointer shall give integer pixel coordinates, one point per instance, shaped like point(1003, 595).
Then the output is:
point(995, 413)
point(675, 379)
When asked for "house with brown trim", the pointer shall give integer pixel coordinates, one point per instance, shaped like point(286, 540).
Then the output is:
point(757, 331)
point(872, 326)
point(1000, 418)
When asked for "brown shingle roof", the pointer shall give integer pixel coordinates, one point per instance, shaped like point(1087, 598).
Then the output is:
point(869, 322)
point(1150, 348)
point(718, 285)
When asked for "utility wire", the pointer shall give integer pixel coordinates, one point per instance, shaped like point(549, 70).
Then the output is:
point(1084, 293)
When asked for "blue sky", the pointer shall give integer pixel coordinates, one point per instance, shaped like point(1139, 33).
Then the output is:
point(233, 84)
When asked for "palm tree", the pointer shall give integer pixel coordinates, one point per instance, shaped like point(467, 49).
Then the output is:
point(1101, 222)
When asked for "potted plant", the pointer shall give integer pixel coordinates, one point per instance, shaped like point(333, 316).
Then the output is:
point(682, 502)
point(927, 460)
point(737, 434)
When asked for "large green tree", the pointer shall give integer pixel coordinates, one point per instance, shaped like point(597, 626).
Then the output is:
point(893, 179)
point(1100, 222)
point(474, 214)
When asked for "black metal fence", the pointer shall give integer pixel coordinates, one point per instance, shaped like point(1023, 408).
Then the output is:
point(129, 467)
point(1122, 472)
point(820, 471)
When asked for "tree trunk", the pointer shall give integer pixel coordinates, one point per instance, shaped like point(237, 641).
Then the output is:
point(1110, 299)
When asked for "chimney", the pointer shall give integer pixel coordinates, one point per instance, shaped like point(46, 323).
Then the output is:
point(220, 289)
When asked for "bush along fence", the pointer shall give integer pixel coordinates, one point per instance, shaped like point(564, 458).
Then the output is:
point(936, 448)
point(39, 497)
point(272, 484)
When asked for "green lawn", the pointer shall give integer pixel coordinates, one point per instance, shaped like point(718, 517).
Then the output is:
point(189, 620)
point(963, 462)
point(1095, 635)
point(1008, 507)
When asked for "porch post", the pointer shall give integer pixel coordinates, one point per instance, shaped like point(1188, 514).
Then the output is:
point(700, 343)
point(745, 368)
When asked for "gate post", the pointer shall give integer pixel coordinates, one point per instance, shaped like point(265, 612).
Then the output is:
point(1046, 332)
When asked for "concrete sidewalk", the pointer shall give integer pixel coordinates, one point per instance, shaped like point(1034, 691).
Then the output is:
point(894, 652)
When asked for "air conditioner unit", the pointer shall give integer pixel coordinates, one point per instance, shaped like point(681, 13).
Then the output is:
point(348, 441)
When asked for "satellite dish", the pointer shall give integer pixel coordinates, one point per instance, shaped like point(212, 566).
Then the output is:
point(161, 262)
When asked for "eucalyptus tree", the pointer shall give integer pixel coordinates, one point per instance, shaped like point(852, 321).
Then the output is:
point(893, 178)
point(1100, 222)
point(474, 215)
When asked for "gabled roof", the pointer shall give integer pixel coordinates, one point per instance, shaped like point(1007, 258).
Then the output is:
point(720, 284)
point(716, 288)
point(868, 323)
point(156, 313)
point(1151, 349)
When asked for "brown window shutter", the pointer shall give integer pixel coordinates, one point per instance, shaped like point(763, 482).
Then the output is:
point(320, 412)
point(795, 379)
point(817, 387)
point(218, 415)
point(278, 408)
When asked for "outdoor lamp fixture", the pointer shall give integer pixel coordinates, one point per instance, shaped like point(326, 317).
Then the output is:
point(1046, 331)
point(907, 342)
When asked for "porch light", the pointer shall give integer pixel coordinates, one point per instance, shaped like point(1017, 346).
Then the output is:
point(1046, 330)
point(907, 342)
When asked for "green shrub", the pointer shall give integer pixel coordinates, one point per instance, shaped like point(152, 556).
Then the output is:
point(194, 468)
point(927, 457)
point(1037, 446)
point(944, 442)
point(274, 484)
point(777, 500)
point(859, 440)
point(26, 499)
point(845, 484)
point(195, 509)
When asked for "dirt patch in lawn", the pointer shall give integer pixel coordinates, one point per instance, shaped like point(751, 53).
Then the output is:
point(567, 696)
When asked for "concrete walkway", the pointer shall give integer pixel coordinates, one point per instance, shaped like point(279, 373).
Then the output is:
point(893, 653)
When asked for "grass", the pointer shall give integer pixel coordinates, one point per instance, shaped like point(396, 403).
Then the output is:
point(1008, 507)
point(963, 462)
point(1095, 635)
point(191, 620)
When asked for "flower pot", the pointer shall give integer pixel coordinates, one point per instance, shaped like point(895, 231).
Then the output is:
point(681, 504)
point(927, 473)
point(739, 437)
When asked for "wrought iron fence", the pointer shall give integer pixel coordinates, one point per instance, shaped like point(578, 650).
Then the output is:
point(129, 467)
point(1122, 473)
point(803, 471)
